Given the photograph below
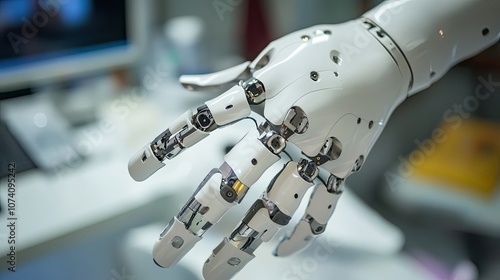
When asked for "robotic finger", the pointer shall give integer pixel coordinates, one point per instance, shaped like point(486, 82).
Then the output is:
point(222, 188)
point(230, 75)
point(233, 105)
point(319, 210)
point(262, 221)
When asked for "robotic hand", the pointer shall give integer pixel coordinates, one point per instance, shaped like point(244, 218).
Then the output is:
point(328, 90)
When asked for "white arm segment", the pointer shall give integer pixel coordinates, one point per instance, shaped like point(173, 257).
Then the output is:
point(435, 35)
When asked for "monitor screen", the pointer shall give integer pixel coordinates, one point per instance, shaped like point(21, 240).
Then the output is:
point(43, 39)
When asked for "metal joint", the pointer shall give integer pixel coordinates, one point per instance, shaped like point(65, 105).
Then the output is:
point(276, 215)
point(335, 185)
point(166, 146)
point(255, 90)
point(245, 238)
point(273, 141)
point(232, 189)
point(331, 150)
point(295, 121)
point(203, 119)
point(307, 170)
point(316, 228)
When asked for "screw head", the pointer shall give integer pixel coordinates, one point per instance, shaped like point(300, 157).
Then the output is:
point(305, 38)
point(336, 59)
point(234, 261)
point(177, 242)
point(314, 76)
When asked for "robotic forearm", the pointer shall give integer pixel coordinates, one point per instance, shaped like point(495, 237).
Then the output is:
point(328, 90)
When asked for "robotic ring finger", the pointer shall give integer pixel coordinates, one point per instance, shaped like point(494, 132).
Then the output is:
point(328, 90)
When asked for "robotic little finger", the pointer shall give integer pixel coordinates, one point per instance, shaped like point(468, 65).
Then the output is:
point(329, 91)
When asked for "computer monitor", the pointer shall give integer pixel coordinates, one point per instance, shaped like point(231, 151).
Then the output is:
point(43, 41)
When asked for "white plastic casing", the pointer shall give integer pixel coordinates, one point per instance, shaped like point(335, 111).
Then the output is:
point(288, 189)
point(298, 240)
point(322, 204)
point(230, 106)
point(218, 265)
point(262, 223)
point(321, 207)
point(241, 156)
point(214, 79)
point(194, 138)
point(209, 196)
point(185, 121)
point(143, 164)
point(165, 254)
point(356, 76)
point(182, 121)
point(435, 35)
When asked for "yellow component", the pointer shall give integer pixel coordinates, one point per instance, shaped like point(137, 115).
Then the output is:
point(465, 157)
point(239, 188)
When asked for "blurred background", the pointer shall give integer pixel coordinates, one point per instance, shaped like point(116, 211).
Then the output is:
point(84, 84)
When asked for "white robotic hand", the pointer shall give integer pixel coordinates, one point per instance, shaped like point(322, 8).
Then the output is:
point(328, 90)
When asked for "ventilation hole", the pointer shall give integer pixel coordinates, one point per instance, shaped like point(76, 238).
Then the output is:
point(370, 125)
point(229, 107)
point(433, 74)
point(144, 157)
point(485, 31)
point(330, 206)
point(305, 38)
point(336, 74)
point(327, 32)
point(359, 120)
point(296, 196)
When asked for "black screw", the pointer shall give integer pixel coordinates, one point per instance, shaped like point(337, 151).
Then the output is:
point(314, 76)
point(254, 161)
point(336, 59)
